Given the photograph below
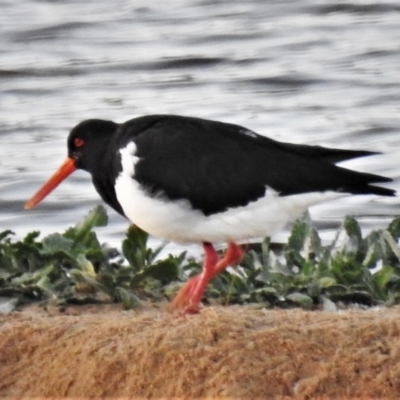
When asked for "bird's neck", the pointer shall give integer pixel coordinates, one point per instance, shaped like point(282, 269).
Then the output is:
point(105, 170)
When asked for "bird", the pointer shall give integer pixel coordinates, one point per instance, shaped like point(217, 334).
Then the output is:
point(193, 180)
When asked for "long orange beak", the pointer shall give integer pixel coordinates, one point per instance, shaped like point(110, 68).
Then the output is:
point(66, 169)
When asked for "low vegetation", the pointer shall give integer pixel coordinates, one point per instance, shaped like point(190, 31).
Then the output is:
point(75, 268)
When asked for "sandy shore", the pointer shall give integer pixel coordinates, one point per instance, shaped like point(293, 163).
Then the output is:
point(223, 352)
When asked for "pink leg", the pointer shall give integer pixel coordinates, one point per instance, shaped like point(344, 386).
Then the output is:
point(232, 256)
point(210, 261)
point(189, 297)
point(182, 299)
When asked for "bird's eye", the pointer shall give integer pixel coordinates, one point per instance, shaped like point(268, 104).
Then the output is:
point(78, 142)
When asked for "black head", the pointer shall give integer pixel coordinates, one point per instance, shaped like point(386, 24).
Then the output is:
point(88, 141)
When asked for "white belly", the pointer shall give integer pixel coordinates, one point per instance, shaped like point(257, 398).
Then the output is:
point(179, 222)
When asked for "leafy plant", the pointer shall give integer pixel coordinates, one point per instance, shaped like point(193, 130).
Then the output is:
point(74, 268)
point(306, 273)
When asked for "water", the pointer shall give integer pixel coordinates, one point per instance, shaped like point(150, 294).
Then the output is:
point(307, 72)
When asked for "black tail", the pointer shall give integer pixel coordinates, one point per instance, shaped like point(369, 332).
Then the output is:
point(365, 185)
point(353, 181)
point(380, 191)
point(330, 156)
point(311, 174)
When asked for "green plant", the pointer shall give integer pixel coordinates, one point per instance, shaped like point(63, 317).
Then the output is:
point(74, 268)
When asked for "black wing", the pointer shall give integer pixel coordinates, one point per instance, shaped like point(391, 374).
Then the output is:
point(325, 154)
point(217, 166)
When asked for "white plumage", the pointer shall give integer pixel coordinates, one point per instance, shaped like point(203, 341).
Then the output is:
point(179, 222)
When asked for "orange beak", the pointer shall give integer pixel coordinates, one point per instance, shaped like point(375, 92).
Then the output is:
point(66, 169)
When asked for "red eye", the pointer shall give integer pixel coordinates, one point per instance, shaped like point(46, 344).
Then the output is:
point(78, 142)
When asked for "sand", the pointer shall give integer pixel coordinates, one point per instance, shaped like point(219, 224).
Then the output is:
point(223, 352)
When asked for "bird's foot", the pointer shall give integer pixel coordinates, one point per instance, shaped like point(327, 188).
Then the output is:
point(189, 297)
point(182, 299)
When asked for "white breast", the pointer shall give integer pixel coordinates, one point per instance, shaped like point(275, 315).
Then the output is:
point(179, 222)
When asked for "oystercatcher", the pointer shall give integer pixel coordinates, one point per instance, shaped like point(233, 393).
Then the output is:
point(194, 180)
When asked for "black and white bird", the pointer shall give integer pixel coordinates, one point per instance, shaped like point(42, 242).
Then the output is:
point(191, 180)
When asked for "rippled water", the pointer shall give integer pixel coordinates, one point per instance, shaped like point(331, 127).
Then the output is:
point(308, 72)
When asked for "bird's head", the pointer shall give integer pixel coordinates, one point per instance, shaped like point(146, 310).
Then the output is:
point(86, 144)
point(88, 141)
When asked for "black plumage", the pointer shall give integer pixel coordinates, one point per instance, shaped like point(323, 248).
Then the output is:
point(214, 165)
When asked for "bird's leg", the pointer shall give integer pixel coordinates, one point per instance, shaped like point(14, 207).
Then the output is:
point(210, 262)
point(189, 297)
point(232, 256)
point(183, 298)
